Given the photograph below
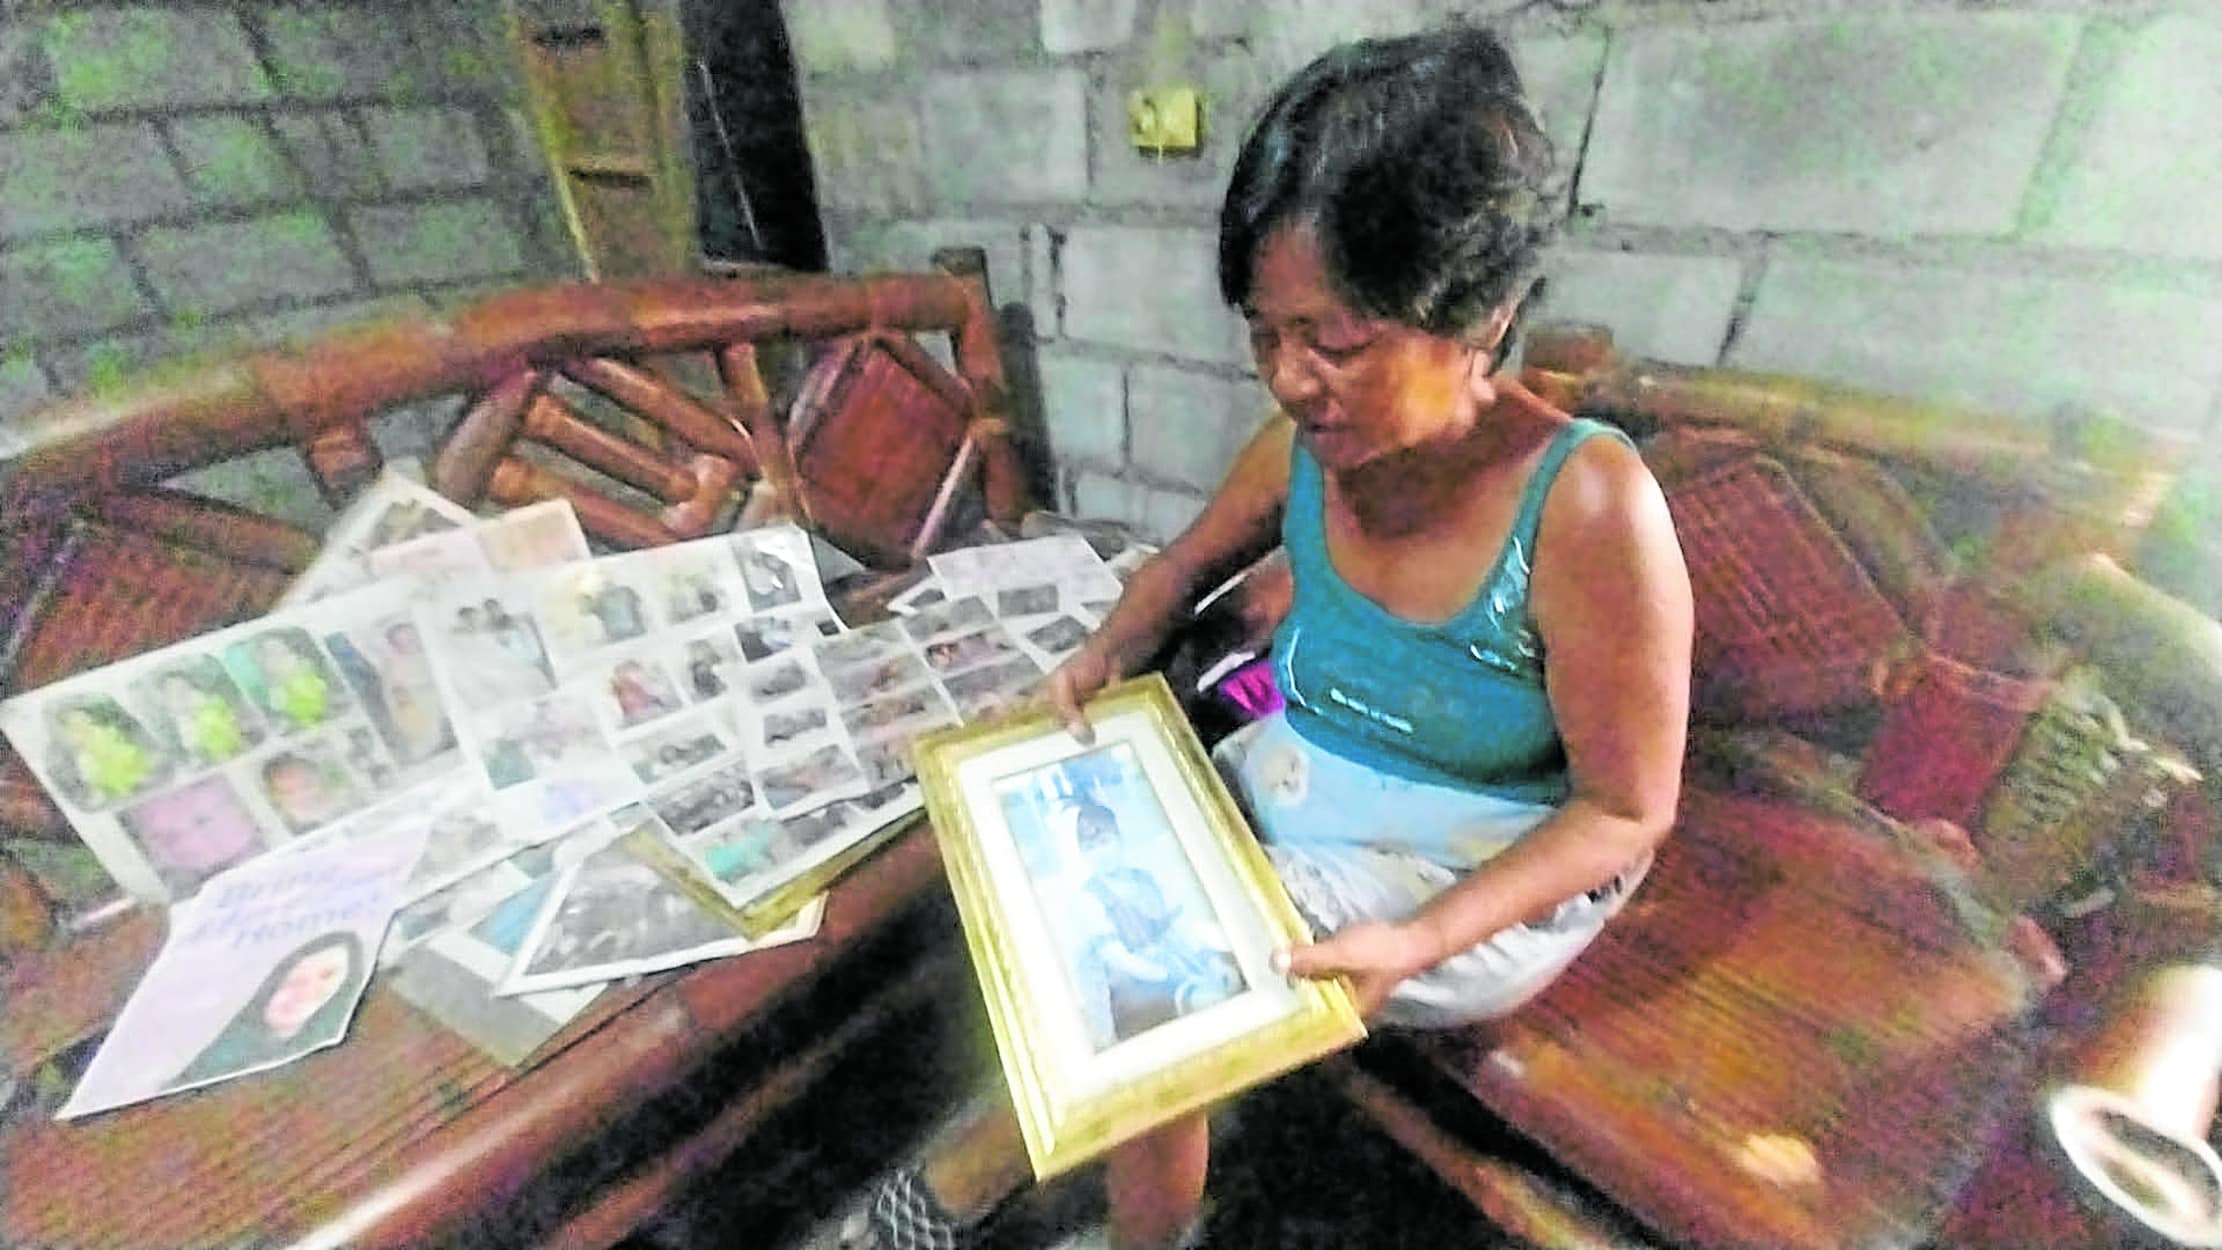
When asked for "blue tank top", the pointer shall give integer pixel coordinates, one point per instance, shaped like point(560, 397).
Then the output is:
point(1459, 703)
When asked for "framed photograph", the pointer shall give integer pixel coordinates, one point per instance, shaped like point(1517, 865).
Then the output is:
point(1122, 920)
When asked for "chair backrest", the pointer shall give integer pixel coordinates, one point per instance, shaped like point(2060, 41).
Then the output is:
point(643, 404)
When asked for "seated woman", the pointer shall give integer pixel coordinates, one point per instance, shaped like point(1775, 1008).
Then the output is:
point(1486, 659)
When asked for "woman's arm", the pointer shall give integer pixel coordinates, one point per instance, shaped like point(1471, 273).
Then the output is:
point(1239, 523)
point(1611, 598)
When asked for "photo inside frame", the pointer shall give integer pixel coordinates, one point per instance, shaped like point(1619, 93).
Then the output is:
point(1139, 944)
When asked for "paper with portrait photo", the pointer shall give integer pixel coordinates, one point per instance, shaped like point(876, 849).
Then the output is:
point(542, 535)
point(778, 571)
point(392, 509)
point(615, 915)
point(262, 967)
point(176, 764)
point(1065, 561)
point(748, 858)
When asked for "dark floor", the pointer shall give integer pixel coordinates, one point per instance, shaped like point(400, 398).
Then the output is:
point(1294, 1168)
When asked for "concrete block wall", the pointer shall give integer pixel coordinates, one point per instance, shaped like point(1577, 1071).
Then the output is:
point(2003, 203)
point(178, 177)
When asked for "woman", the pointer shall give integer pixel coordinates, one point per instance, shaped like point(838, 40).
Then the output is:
point(1486, 657)
point(303, 1003)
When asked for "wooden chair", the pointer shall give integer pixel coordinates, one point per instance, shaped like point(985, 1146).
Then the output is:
point(645, 406)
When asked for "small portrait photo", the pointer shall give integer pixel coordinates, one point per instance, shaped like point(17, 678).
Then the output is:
point(385, 665)
point(304, 1002)
point(744, 848)
point(1060, 637)
point(1138, 938)
point(986, 691)
point(954, 655)
point(589, 609)
point(498, 654)
point(912, 711)
point(827, 770)
point(771, 581)
point(405, 519)
point(692, 806)
point(542, 739)
point(534, 537)
point(778, 681)
point(285, 675)
point(99, 754)
point(1026, 600)
point(458, 839)
point(780, 728)
point(193, 832)
point(885, 763)
point(674, 749)
point(859, 645)
point(689, 587)
point(201, 712)
point(367, 757)
point(947, 617)
point(765, 637)
point(709, 663)
point(638, 691)
point(617, 909)
point(876, 677)
point(306, 786)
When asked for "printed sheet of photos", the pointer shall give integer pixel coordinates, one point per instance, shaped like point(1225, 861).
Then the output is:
point(398, 527)
point(177, 764)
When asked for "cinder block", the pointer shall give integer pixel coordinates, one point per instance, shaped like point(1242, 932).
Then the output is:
point(1084, 406)
point(977, 32)
point(1149, 289)
point(423, 148)
point(836, 36)
point(201, 271)
point(330, 52)
point(1007, 137)
point(870, 154)
point(1890, 125)
point(276, 483)
point(1560, 74)
point(1086, 25)
point(66, 286)
point(872, 245)
point(301, 323)
point(1187, 427)
point(410, 244)
point(83, 176)
point(102, 365)
point(2146, 174)
point(152, 58)
point(1295, 31)
point(1166, 513)
point(332, 152)
point(23, 387)
point(1673, 308)
point(2006, 342)
point(1097, 494)
point(233, 160)
point(1235, 85)
point(1042, 244)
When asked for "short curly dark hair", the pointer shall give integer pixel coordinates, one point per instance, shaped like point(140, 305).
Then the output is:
point(1422, 168)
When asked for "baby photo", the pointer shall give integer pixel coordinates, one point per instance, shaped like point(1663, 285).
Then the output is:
point(493, 654)
point(951, 655)
point(99, 755)
point(385, 664)
point(200, 712)
point(947, 617)
point(777, 682)
point(692, 806)
point(193, 832)
point(306, 786)
point(674, 749)
point(864, 681)
point(286, 676)
point(637, 691)
point(709, 663)
point(1026, 600)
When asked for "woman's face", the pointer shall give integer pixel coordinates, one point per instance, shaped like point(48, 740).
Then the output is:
point(308, 985)
point(1357, 386)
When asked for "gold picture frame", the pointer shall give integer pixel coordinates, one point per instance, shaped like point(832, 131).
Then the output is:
point(1122, 920)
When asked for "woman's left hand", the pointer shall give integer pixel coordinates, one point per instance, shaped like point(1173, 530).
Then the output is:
point(1377, 957)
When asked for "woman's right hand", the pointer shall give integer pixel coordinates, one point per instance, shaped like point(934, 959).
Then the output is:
point(1080, 678)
